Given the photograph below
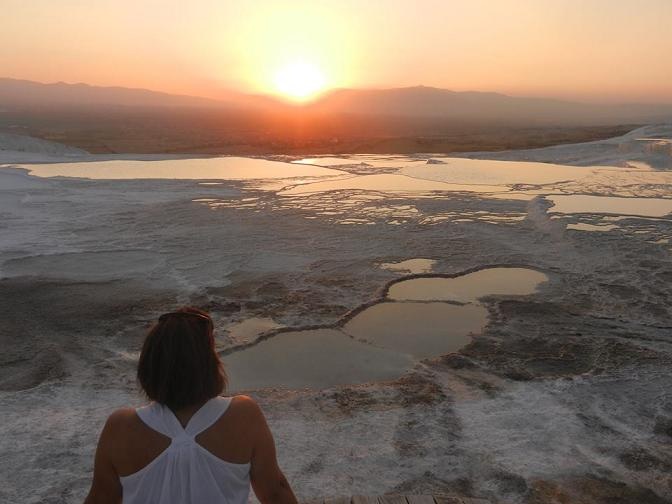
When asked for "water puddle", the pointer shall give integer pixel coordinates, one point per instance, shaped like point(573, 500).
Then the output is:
point(362, 159)
point(222, 168)
point(420, 329)
point(518, 180)
point(469, 288)
point(387, 183)
point(384, 340)
point(392, 174)
point(499, 173)
point(248, 330)
point(581, 226)
point(328, 161)
point(579, 203)
point(318, 358)
point(527, 178)
point(410, 266)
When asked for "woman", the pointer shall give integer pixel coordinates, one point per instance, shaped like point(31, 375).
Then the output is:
point(189, 445)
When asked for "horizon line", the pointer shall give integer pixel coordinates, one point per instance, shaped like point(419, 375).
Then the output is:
point(329, 91)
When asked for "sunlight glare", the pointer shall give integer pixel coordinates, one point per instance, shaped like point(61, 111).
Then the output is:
point(299, 80)
point(294, 50)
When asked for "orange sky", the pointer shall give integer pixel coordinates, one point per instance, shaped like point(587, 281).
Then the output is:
point(606, 50)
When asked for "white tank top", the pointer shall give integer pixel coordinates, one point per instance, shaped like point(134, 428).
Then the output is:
point(186, 472)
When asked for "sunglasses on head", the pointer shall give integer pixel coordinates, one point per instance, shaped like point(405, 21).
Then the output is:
point(166, 316)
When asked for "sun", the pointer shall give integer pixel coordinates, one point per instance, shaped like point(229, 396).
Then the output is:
point(299, 80)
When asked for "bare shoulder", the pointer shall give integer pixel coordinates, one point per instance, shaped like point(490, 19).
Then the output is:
point(117, 428)
point(246, 407)
point(121, 419)
point(121, 415)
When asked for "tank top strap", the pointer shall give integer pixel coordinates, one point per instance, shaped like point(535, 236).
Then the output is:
point(161, 419)
point(207, 415)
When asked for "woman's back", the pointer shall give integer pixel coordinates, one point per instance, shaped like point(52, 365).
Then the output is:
point(187, 468)
point(189, 445)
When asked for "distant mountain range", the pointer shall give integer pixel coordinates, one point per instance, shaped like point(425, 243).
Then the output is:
point(23, 92)
point(431, 102)
point(416, 103)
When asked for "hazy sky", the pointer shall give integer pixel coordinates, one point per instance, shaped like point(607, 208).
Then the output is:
point(613, 50)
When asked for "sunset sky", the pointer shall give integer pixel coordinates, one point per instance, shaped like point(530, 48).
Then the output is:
point(605, 50)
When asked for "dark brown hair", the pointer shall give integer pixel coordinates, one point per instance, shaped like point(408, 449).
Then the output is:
point(178, 364)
